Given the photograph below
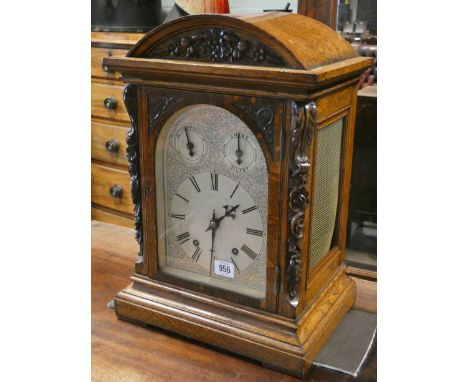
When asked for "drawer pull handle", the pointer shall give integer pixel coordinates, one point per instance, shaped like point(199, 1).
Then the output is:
point(116, 191)
point(112, 146)
point(107, 69)
point(110, 103)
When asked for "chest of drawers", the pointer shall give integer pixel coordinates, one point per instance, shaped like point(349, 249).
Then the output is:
point(110, 183)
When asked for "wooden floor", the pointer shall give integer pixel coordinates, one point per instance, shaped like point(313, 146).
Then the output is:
point(122, 351)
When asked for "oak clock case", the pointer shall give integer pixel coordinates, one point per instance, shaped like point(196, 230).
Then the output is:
point(240, 156)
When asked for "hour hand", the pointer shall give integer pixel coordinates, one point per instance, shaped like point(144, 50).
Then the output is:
point(213, 223)
point(189, 144)
point(230, 212)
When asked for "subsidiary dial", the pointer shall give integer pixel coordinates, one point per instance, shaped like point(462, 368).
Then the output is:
point(240, 152)
point(190, 144)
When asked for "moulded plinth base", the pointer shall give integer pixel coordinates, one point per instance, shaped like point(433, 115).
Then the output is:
point(279, 343)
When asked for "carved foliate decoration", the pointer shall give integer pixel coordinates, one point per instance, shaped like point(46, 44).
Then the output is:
point(217, 45)
point(303, 125)
point(156, 106)
point(264, 117)
point(130, 99)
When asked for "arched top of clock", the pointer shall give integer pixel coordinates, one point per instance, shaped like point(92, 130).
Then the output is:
point(278, 40)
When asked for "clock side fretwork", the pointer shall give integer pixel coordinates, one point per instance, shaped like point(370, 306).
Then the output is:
point(336, 106)
point(307, 283)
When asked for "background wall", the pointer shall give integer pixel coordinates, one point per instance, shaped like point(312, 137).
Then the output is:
point(245, 6)
point(367, 11)
point(358, 10)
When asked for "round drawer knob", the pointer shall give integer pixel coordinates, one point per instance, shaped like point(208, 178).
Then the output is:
point(112, 146)
point(110, 103)
point(107, 69)
point(116, 191)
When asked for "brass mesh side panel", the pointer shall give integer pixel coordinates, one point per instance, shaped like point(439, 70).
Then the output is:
point(326, 190)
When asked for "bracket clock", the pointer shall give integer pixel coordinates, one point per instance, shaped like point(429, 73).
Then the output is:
point(240, 155)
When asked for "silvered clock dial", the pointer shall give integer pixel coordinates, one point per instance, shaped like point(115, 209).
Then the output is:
point(212, 192)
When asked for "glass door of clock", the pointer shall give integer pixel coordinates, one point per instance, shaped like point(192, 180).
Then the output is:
point(212, 201)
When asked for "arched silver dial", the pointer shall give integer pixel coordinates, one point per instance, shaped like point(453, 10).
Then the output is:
point(212, 201)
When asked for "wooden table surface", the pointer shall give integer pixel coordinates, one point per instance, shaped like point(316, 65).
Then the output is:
point(122, 351)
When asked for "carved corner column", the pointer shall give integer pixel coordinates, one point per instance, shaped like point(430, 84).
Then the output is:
point(303, 126)
point(130, 97)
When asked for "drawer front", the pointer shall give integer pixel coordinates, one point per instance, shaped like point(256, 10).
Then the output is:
point(106, 181)
point(108, 143)
point(112, 96)
point(97, 55)
point(107, 217)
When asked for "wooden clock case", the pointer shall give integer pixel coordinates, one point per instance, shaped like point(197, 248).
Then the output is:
point(286, 76)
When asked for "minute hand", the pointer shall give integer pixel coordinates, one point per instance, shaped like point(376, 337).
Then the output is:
point(238, 152)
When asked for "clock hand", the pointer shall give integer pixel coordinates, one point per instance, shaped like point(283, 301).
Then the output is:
point(213, 232)
point(238, 152)
point(213, 226)
point(228, 212)
point(213, 223)
point(189, 144)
